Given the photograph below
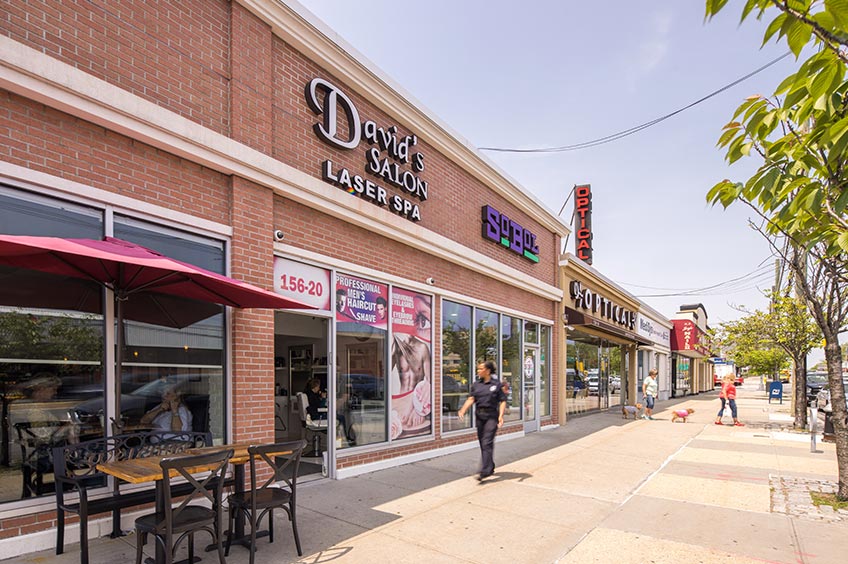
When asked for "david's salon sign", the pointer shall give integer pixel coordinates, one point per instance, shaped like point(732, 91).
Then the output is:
point(391, 158)
point(586, 299)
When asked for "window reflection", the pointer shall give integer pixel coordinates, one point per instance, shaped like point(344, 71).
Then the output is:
point(545, 371)
point(177, 352)
point(511, 366)
point(50, 365)
point(456, 363)
point(51, 346)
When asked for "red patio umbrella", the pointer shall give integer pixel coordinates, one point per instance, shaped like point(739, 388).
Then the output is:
point(144, 282)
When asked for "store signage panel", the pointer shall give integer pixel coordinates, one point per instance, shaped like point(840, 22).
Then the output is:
point(688, 337)
point(652, 330)
point(302, 282)
point(501, 229)
point(391, 158)
point(599, 305)
point(583, 217)
point(362, 301)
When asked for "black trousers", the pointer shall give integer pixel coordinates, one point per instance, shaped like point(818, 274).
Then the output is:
point(486, 429)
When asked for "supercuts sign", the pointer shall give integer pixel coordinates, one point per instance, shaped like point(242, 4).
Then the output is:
point(583, 217)
point(586, 299)
point(391, 158)
point(501, 229)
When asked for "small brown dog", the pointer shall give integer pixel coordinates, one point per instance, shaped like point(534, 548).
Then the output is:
point(681, 414)
point(634, 410)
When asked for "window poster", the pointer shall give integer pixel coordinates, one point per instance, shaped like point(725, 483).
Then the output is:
point(362, 302)
point(411, 372)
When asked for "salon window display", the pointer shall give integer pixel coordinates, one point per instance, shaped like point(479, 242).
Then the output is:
point(411, 365)
point(362, 324)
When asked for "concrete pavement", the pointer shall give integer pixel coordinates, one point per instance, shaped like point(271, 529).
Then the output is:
point(599, 489)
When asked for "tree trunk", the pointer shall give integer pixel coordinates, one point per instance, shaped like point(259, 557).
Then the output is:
point(800, 393)
point(832, 354)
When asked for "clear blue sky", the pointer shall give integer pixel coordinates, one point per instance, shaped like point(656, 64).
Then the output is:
point(551, 73)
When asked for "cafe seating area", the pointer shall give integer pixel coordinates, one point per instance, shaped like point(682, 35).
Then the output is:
point(189, 475)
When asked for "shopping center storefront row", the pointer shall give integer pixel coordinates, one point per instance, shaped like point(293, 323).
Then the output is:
point(238, 137)
point(602, 341)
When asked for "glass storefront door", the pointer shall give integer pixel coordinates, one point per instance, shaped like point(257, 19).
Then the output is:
point(530, 372)
point(596, 373)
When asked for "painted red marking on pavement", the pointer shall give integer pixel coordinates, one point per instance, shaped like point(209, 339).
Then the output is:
point(730, 476)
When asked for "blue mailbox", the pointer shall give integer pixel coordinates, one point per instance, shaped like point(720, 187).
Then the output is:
point(775, 391)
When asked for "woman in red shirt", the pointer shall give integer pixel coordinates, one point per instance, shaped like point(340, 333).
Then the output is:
point(728, 395)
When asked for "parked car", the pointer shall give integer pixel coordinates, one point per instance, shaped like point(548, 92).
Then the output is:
point(453, 393)
point(593, 381)
point(815, 382)
point(89, 414)
point(615, 384)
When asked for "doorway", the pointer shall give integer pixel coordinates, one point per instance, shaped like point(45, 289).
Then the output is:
point(301, 353)
point(532, 377)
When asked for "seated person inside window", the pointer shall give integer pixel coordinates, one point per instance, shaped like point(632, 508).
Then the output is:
point(170, 415)
point(315, 397)
point(44, 425)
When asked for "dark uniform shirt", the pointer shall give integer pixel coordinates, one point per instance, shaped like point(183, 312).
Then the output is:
point(487, 397)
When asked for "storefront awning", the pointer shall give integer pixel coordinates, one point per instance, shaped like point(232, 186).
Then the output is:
point(577, 318)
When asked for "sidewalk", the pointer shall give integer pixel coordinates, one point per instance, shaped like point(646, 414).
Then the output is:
point(599, 489)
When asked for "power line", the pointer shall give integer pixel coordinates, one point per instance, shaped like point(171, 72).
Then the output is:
point(760, 270)
point(733, 285)
point(638, 128)
point(763, 280)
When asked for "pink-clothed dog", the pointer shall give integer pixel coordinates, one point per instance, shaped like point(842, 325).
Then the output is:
point(681, 414)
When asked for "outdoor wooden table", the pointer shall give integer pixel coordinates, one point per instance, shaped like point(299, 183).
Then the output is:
point(148, 469)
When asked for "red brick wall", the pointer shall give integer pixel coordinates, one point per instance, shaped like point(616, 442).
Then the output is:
point(455, 197)
point(175, 54)
point(318, 232)
point(253, 330)
point(249, 85)
point(40, 138)
point(251, 88)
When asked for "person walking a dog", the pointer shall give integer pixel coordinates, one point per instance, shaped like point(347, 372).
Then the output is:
point(649, 390)
point(488, 395)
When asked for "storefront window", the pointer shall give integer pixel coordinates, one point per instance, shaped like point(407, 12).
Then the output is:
point(456, 363)
point(51, 348)
point(582, 372)
point(545, 371)
point(182, 355)
point(511, 365)
point(486, 336)
point(531, 333)
point(361, 331)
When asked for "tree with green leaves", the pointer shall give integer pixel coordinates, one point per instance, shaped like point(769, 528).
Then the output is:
point(746, 343)
point(800, 135)
point(791, 327)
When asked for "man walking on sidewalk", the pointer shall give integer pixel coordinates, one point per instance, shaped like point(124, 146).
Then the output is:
point(649, 390)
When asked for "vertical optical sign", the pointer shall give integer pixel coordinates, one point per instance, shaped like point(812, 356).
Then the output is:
point(583, 218)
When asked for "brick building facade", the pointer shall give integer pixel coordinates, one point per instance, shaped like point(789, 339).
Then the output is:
point(192, 121)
